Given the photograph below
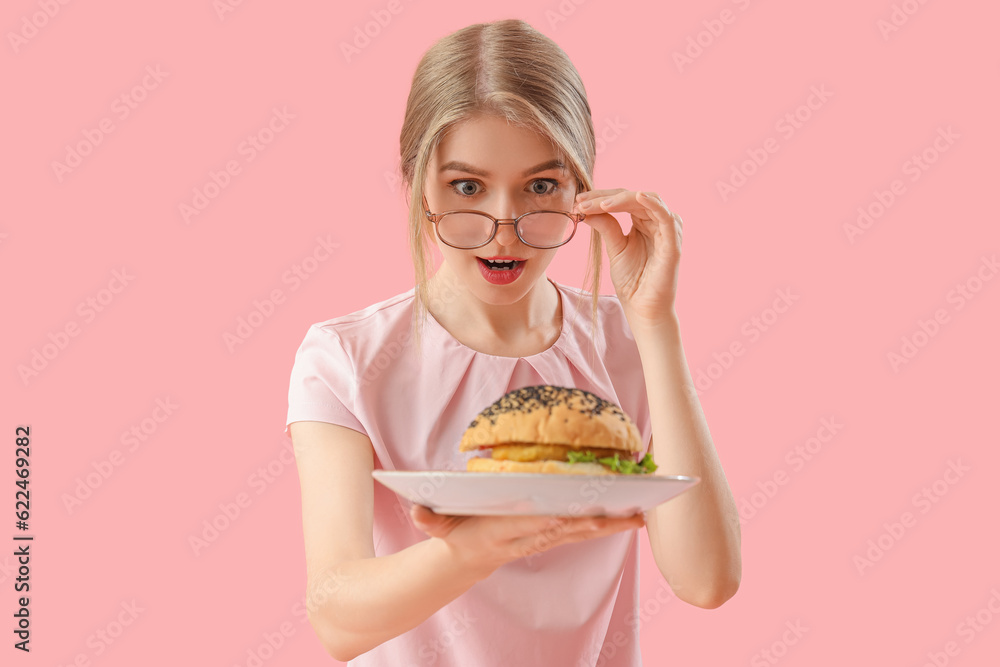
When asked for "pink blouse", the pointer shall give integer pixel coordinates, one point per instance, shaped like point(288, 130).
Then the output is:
point(560, 607)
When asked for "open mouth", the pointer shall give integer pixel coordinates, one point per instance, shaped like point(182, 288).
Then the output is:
point(501, 265)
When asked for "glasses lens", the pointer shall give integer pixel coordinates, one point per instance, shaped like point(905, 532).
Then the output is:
point(546, 230)
point(466, 230)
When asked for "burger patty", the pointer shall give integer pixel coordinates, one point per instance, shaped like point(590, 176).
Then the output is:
point(532, 452)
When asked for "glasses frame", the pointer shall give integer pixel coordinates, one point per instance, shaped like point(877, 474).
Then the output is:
point(575, 218)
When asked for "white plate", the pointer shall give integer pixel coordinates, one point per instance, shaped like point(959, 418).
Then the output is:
point(481, 493)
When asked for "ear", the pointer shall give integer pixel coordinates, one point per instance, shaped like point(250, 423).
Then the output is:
point(425, 224)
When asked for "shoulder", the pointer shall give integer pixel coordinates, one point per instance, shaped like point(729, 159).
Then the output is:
point(369, 328)
point(582, 300)
point(610, 315)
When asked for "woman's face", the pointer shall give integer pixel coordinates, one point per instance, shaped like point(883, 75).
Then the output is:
point(484, 164)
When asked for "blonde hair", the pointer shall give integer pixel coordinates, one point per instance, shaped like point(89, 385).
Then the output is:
point(506, 69)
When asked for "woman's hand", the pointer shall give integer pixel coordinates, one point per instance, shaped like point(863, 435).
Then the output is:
point(484, 543)
point(644, 263)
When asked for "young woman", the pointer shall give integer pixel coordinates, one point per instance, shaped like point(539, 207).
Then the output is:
point(498, 122)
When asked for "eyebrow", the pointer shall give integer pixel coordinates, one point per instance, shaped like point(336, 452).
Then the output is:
point(455, 165)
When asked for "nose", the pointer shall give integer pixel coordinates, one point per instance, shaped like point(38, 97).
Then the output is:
point(506, 236)
point(506, 211)
point(506, 207)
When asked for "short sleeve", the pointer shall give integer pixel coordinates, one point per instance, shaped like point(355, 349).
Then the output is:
point(322, 382)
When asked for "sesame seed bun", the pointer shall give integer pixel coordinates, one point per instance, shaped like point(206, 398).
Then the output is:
point(545, 421)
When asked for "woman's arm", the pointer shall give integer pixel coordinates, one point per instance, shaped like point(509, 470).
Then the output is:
point(369, 601)
point(355, 600)
point(695, 538)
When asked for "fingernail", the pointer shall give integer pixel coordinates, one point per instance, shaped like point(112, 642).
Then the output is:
point(605, 202)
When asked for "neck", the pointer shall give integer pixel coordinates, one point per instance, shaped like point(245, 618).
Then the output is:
point(463, 312)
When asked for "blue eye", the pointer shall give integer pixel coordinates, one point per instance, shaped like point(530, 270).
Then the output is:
point(462, 189)
point(545, 181)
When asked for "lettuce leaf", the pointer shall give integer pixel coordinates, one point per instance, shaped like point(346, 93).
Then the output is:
point(648, 463)
point(576, 456)
point(615, 463)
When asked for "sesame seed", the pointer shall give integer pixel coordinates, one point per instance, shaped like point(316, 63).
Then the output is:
point(545, 397)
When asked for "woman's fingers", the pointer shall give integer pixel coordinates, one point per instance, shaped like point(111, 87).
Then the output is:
point(516, 536)
point(435, 525)
point(590, 194)
point(575, 529)
point(487, 530)
point(609, 228)
point(423, 517)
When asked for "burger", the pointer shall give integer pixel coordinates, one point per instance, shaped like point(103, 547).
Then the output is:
point(559, 430)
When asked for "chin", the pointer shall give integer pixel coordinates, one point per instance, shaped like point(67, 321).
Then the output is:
point(504, 294)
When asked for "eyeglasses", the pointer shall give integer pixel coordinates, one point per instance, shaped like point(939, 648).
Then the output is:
point(473, 229)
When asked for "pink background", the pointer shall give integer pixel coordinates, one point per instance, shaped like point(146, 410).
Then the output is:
point(675, 130)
